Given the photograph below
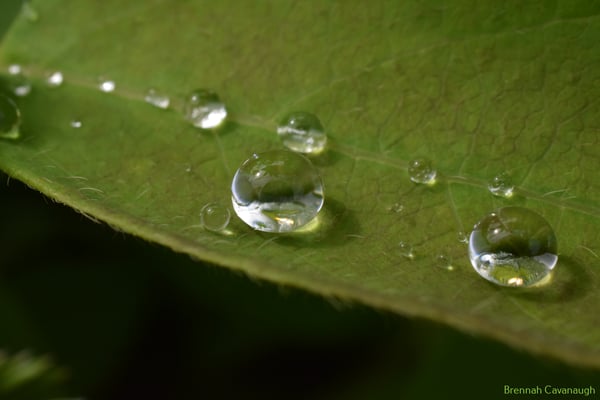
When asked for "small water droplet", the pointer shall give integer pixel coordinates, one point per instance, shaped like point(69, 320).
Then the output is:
point(462, 237)
point(277, 191)
point(106, 85)
point(406, 250)
point(501, 185)
point(445, 262)
point(76, 124)
point(14, 69)
point(204, 109)
point(420, 170)
point(215, 217)
point(10, 118)
point(513, 246)
point(396, 208)
point(55, 79)
point(302, 132)
point(19, 84)
point(157, 99)
point(29, 12)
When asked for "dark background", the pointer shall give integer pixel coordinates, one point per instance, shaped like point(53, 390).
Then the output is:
point(124, 319)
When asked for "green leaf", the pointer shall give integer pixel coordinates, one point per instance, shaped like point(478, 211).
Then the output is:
point(479, 89)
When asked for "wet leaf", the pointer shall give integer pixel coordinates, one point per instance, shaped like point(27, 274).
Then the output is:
point(479, 89)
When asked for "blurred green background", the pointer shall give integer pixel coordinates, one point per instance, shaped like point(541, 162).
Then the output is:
point(88, 312)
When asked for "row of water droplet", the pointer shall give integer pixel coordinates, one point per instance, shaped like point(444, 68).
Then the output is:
point(280, 191)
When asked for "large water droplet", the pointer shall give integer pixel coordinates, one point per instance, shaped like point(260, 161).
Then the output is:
point(420, 170)
point(10, 118)
point(277, 191)
point(215, 217)
point(204, 109)
point(302, 132)
point(55, 79)
point(157, 99)
point(513, 246)
point(106, 85)
point(501, 185)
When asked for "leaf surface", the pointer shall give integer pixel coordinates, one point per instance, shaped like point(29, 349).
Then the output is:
point(479, 89)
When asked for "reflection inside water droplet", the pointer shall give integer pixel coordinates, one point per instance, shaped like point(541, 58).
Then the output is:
point(215, 217)
point(204, 109)
point(10, 118)
point(513, 246)
point(501, 185)
point(157, 99)
point(420, 170)
point(277, 191)
point(302, 132)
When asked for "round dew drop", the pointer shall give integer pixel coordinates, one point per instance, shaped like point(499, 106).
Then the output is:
point(157, 99)
point(204, 109)
point(10, 118)
point(106, 85)
point(214, 217)
point(55, 79)
point(420, 170)
point(302, 132)
point(501, 185)
point(513, 246)
point(277, 191)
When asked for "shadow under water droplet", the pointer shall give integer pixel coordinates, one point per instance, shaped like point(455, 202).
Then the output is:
point(335, 222)
point(567, 282)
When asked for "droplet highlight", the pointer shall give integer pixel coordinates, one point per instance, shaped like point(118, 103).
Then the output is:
point(55, 79)
point(215, 217)
point(10, 118)
point(420, 170)
point(204, 109)
point(302, 132)
point(14, 69)
point(157, 99)
point(76, 124)
point(106, 85)
point(277, 191)
point(462, 237)
point(502, 186)
point(513, 246)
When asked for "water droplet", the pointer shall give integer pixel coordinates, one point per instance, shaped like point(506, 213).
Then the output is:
point(462, 237)
point(406, 250)
point(10, 118)
point(157, 99)
point(215, 217)
point(29, 12)
point(14, 69)
point(204, 109)
point(20, 85)
point(277, 191)
point(501, 185)
point(396, 208)
point(55, 79)
point(302, 132)
point(420, 170)
point(513, 246)
point(76, 124)
point(445, 262)
point(106, 85)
